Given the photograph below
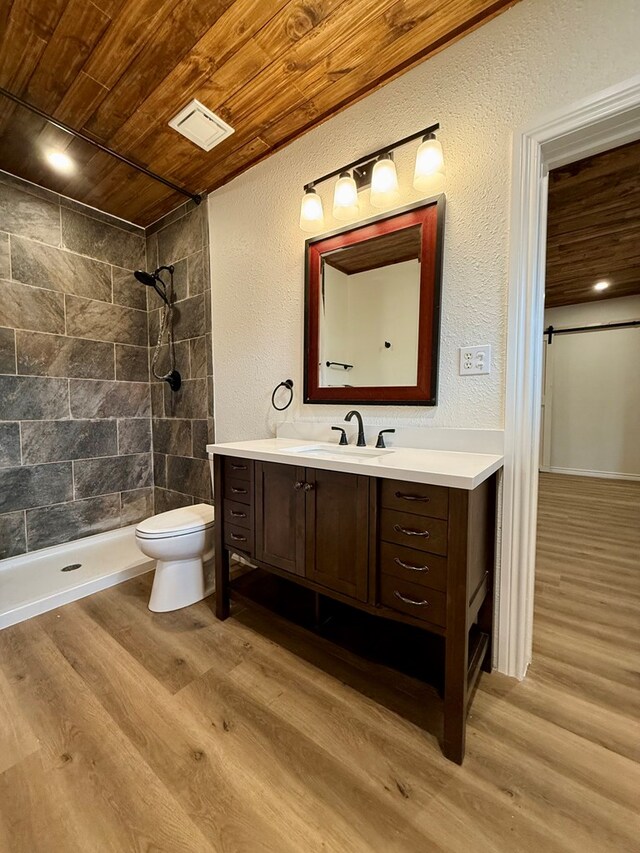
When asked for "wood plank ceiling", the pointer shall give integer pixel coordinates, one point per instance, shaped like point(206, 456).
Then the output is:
point(593, 229)
point(120, 69)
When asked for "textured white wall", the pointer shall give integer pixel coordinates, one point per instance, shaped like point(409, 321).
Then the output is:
point(592, 390)
point(536, 57)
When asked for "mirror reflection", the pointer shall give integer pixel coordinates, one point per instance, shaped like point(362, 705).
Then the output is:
point(369, 311)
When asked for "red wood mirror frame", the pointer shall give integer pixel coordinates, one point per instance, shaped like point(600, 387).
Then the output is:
point(429, 218)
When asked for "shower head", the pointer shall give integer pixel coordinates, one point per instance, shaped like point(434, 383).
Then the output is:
point(151, 279)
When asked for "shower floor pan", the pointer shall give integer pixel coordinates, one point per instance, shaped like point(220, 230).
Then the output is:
point(43, 580)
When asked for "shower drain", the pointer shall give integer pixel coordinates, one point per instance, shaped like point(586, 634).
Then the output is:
point(72, 567)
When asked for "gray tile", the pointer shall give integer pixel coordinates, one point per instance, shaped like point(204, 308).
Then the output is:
point(31, 398)
point(198, 272)
point(172, 436)
point(135, 506)
point(132, 363)
point(35, 485)
point(189, 402)
point(5, 262)
point(157, 399)
point(29, 216)
point(57, 355)
point(27, 187)
point(101, 216)
point(177, 213)
point(100, 321)
point(151, 251)
point(198, 357)
point(55, 524)
point(189, 319)
point(202, 435)
point(23, 307)
point(181, 238)
point(189, 476)
point(88, 236)
point(56, 269)
point(134, 436)
point(96, 399)
point(160, 470)
point(209, 355)
point(53, 441)
point(7, 351)
point(9, 444)
point(12, 535)
point(115, 474)
point(181, 352)
point(180, 280)
point(165, 500)
point(127, 290)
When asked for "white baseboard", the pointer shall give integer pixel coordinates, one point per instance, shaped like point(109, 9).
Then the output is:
point(580, 472)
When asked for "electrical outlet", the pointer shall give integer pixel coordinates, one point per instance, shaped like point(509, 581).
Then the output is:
point(475, 360)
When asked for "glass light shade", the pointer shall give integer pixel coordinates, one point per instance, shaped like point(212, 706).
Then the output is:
point(345, 198)
point(384, 183)
point(311, 212)
point(429, 162)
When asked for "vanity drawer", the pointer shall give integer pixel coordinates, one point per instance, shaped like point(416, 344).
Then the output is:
point(238, 469)
point(432, 501)
point(238, 538)
point(238, 514)
point(414, 531)
point(413, 566)
point(411, 598)
point(240, 491)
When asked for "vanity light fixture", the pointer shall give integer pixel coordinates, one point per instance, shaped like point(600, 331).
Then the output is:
point(601, 285)
point(345, 197)
point(384, 182)
point(376, 170)
point(429, 162)
point(311, 212)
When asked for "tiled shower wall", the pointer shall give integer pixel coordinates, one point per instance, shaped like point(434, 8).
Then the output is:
point(75, 409)
point(183, 420)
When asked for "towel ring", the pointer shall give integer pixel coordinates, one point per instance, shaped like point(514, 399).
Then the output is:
point(288, 384)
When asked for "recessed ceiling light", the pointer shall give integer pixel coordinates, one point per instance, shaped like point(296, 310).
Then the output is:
point(60, 161)
point(601, 285)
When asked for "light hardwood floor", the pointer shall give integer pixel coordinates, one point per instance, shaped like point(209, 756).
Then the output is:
point(122, 730)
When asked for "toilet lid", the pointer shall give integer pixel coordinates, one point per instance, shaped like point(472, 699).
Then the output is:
point(177, 521)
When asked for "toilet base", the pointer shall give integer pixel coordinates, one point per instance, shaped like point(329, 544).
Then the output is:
point(179, 583)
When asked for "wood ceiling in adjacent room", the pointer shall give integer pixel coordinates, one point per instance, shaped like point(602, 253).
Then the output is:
point(120, 69)
point(593, 229)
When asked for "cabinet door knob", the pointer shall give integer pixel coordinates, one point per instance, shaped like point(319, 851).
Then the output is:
point(298, 485)
point(408, 532)
point(423, 603)
point(422, 498)
point(308, 487)
point(409, 566)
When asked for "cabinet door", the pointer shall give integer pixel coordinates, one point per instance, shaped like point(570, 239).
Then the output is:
point(337, 531)
point(279, 514)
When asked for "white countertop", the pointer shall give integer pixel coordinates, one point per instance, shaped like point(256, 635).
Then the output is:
point(456, 469)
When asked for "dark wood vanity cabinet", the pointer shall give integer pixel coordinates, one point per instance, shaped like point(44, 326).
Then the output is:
point(411, 552)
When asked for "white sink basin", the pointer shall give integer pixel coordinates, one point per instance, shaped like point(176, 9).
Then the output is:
point(338, 450)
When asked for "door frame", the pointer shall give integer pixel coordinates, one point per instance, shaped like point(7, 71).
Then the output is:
point(604, 120)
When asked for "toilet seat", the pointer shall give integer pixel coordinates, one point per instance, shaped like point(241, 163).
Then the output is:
point(176, 522)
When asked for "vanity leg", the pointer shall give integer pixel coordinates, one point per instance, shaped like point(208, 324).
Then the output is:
point(455, 700)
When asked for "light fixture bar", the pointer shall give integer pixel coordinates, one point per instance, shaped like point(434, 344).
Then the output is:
point(372, 156)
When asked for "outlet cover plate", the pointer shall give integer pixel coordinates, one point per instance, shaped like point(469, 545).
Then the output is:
point(475, 361)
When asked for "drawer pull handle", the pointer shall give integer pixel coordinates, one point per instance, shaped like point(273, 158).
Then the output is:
point(423, 603)
point(235, 514)
point(238, 467)
point(237, 491)
point(408, 532)
point(409, 566)
point(422, 498)
point(298, 485)
point(237, 538)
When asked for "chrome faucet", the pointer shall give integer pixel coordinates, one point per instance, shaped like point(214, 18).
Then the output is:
point(362, 442)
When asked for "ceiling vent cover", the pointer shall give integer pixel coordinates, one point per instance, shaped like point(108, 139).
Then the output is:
point(201, 126)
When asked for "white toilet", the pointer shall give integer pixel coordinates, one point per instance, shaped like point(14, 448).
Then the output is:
point(181, 541)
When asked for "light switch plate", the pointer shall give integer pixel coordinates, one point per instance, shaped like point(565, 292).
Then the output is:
point(475, 361)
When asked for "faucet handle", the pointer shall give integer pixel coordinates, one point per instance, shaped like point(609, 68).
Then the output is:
point(343, 437)
point(380, 442)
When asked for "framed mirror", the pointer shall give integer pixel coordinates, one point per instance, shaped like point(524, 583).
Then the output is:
point(372, 310)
